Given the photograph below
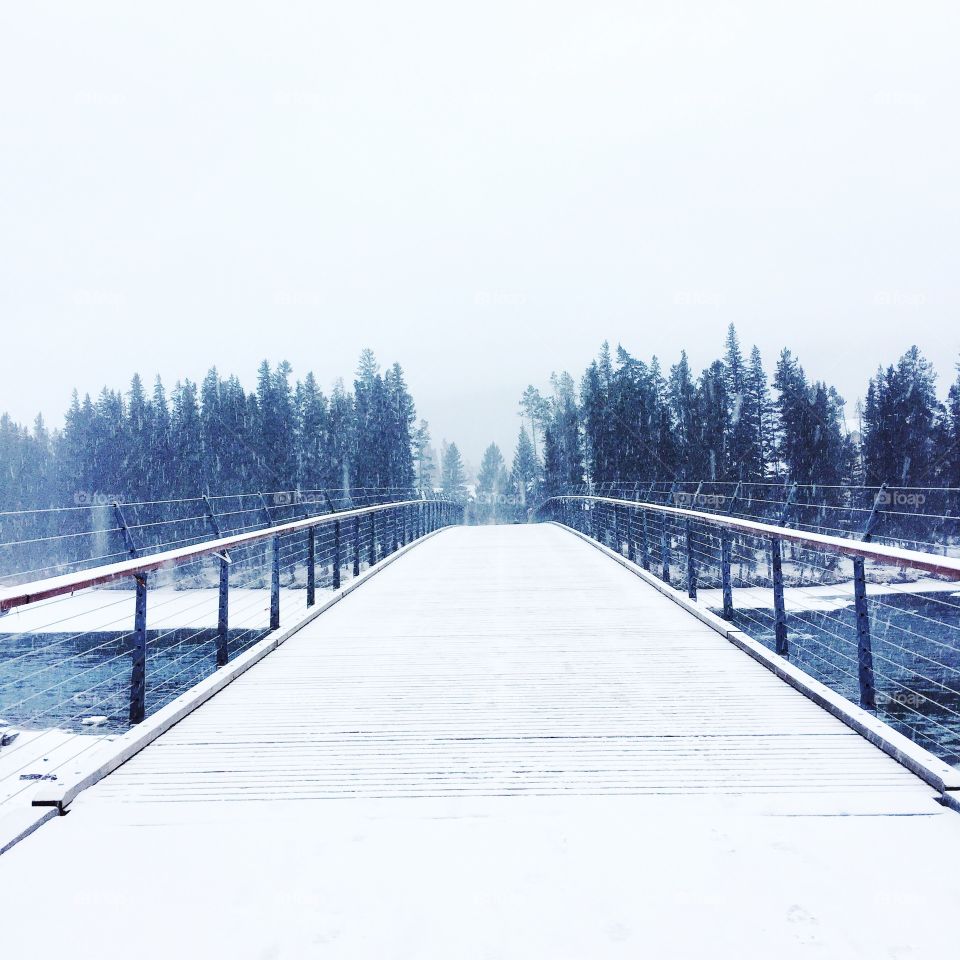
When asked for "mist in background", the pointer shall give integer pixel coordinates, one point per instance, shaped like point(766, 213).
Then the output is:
point(481, 194)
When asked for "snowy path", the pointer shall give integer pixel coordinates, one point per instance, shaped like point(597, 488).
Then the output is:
point(504, 745)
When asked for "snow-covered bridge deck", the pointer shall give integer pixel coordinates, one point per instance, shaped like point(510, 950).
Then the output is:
point(502, 745)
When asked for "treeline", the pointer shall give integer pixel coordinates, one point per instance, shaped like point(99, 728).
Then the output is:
point(217, 437)
point(631, 420)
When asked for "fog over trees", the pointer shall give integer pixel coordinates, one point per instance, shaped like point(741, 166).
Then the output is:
point(219, 438)
point(626, 420)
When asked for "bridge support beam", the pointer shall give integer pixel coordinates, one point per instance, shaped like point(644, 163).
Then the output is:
point(275, 586)
point(644, 541)
point(779, 608)
point(311, 567)
point(223, 613)
point(691, 562)
point(138, 672)
point(336, 555)
point(356, 546)
point(725, 555)
point(868, 691)
point(664, 550)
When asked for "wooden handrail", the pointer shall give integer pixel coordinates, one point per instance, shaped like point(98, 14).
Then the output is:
point(27, 593)
point(897, 556)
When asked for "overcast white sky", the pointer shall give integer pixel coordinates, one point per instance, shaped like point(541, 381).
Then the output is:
point(483, 192)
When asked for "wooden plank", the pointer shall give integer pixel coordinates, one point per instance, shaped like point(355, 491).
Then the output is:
point(921, 762)
point(504, 743)
point(498, 662)
point(131, 743)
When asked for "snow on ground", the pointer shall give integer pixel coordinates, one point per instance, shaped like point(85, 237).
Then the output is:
point(494, 640)
point(32, 759)
point(833, 596)
point(569, 878)
point(28, 757)
point(109, 610)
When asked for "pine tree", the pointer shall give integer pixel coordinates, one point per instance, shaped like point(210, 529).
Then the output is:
point(950, 460)
point(162, 466)
point(186, 440)
point(490, 494)
point(562, 443)
point(536, 409)
point(370, 463)
point(757, 414)
point(665, 463)
point(709, 451)
point(900, 421)
point(423, 457)
point(812, 445)
point(217, 447)
point(526, 470)
point(629, 412)
point(343, 427)
point(681, 399)
point(742, 423)
point(401, 416)
point(138, 462)
point(452, 479)
point(312, 434)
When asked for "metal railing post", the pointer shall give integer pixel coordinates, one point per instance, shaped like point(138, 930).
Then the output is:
point(616, 529)
point(868, 690)
point(275, 586)
point(311, 566)
point(631, 545)
point(644, 542)
point(336, 554)
point(691, 562)
point(223, 613)
point(726, 579)
point(664, 551)
point(779, 609)
point(138, 673)
point(372, 549)
point(128, 541)
point(356, 546)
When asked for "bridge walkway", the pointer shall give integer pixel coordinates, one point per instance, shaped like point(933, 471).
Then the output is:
point(504, 744)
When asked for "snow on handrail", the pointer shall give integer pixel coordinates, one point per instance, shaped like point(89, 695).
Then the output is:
point(38, 590)
point(898, 556)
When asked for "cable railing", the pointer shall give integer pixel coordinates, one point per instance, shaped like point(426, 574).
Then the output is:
point(84, 655)
point(924, 518)
point(101, 528)
point(878, 623)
